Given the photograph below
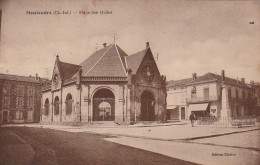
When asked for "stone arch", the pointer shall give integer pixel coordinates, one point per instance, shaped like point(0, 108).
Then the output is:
point(103, 101)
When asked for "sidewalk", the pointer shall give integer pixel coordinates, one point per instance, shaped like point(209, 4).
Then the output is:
point(162, 131)
point(14, 150)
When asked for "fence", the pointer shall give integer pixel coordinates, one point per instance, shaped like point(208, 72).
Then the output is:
point(234, 121)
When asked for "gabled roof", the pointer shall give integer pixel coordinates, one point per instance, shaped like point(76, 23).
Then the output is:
point(107, 62)
point(134, 60)
point(68, 70)
point(18, 78)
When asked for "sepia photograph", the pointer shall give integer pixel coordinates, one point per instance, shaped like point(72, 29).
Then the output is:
point(140, 82)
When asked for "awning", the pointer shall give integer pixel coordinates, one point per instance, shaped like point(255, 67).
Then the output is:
point(198, 107)
point(172, 106)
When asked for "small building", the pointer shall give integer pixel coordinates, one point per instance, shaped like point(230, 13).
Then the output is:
point(20, 98)
point(108, 86)
point(176, 99)
point(214, 95)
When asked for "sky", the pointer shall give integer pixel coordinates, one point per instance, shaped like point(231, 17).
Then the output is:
point(188, 36)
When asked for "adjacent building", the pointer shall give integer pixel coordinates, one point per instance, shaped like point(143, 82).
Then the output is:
point(212, 95)
point(20, 98)
point(108, 86)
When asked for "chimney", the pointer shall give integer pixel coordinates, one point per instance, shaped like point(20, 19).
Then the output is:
point(194, 76)
point(223, 75)
point(57, 56)
point(147, 44)
point(36, 76)
point(252, 82)
point(105, 45)
point(243, 80)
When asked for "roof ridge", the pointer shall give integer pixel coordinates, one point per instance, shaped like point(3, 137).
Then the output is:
point(99, 59)
point(120, 58)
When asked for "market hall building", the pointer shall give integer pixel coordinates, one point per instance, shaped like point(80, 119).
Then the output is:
point(108, 86)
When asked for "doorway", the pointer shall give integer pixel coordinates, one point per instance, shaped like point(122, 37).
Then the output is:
point(103, 105)
point(147, 106)
point(5, 117)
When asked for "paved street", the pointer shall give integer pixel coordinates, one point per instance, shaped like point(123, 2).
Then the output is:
point(60, 147)
point(162, 144)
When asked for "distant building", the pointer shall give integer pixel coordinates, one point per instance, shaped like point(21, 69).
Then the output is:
point(108, 86)
point(256, 97)
point(212, 95)
point(20, 98)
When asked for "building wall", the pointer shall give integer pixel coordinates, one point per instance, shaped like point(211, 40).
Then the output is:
point(176, 96)
point(239, 106)
point(21, 99)
point(213, 90)
point(83, 101)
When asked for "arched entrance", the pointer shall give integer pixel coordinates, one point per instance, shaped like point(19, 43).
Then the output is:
point(103, 105)
point(147, 106)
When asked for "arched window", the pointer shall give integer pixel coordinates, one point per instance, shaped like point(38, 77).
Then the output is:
point(68, 103)
point(46, 107)
point(56, 105)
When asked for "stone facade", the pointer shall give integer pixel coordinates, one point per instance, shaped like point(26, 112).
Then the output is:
point(214, 95)
point(107, 86)
point(20, 99)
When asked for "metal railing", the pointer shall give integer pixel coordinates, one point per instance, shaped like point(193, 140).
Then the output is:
point(234, 121)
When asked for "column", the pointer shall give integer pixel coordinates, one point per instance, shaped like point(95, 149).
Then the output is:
point(225, 110)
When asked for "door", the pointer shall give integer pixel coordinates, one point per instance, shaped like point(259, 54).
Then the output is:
point(147, 107)
point(5, 117)
point(182, 113)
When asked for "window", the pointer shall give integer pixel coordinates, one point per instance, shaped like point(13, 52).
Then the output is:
point(20, 89)
point(68, 104)
point(236, 94)
point(232, 111)
point(19, 101)
point(19, 115)
point(56, 105)
point(46, 107)
point(30, 102)
point(30, 90)
point(243, 95)
point(193, 92)
point(229, 93)
point(206, 93)
point(249, 96)
point(6, 100)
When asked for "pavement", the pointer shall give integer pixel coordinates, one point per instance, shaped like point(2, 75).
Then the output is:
point(13, 146)
point(159, 135)
point(161, 131)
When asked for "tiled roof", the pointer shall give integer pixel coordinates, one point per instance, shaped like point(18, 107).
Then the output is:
point(18, 78)
point(110, 61)
point(91, 60)
point(179, 82)
point(109, 64)
point(134, 60)
point(68, 70)
point(212, 76)
point(204, 78)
